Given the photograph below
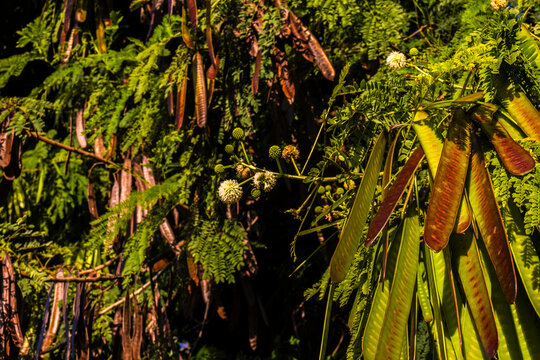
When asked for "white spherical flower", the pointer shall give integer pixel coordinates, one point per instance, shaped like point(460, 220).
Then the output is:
point(229, 191)
point(396, 60)
point(264, 180)
point(498, 4)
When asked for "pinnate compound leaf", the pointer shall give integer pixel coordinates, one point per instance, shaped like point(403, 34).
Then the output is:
point(515, 159)
point(352, 231)
point(449, 182)
point(465, 259)
point(393, 195)
point(488, 219)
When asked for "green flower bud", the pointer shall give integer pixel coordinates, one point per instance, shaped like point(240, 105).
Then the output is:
point(340, 191)
point(321, 190)
point(219, 168)
point(229, 148)
point(414, 52)
point(318, 209)
point(328, 187)
point(238, 133)
point(274, 152)
point(255, 193)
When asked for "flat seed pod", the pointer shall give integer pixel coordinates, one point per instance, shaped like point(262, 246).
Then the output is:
point(466, 260)
point(488, 219)
point(321, 59)
point(181, 93)
point(520, 109)
point(186, 36)
point(402, 291)
point(525, 256)
point(283, 74)
point(432, 143)
point(80, 128)
point(449, 182)
point(256, 71)
point(208, 32)
point(6, 143)
point(54, 319)
point(13, 170)
point(515, 159)
point(126, 180)
point(199, 83)
point(192, 11)
point(351, 234)
point(393, 195)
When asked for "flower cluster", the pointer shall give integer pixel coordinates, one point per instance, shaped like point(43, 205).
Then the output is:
point(396, 60)
point(264, 180)
point(290, 152)
point(498, 4)
point(230, 191)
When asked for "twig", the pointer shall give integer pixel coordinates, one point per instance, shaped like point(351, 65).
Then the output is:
point(135, 293)
point(70, 148)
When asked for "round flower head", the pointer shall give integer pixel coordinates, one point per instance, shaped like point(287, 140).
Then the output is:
point(498, 4)
point(396, 60)
point(229, 191)
point(264, 180)
point(274, 152)
point(289, 152)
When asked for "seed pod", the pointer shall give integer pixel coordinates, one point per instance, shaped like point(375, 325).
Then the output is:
point(181, 100)
point(301, 32)
point(6, 143)
point(99, 146)
point(283, 74)
point(199, 84)
point(192, 10)
point(79, 128)
point(186, 36)
point(13, 170)
point(54, 319)
point(208, 32)
point(256, 71)
point(126, 180)
point(520, 109)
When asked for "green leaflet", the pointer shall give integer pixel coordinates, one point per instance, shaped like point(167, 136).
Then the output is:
point(527, 327)
point(432, 143)
point(528, 45)
point(401, 294)
point(465, 260)
point(447, 189)
point(488, 219)
point(524, 253)
point(352, 231)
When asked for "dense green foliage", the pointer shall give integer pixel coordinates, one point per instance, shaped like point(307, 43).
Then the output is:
point(134, 117)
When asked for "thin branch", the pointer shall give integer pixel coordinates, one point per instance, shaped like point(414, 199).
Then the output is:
point(135, 293)
point(70, 148)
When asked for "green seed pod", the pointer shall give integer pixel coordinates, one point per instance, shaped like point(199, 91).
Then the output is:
point(229, 148)
point(238, 133)
point(255, 193)
point(274, 152)
point(219, 169)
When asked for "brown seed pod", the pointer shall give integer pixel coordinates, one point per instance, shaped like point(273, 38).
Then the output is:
point(199, 82)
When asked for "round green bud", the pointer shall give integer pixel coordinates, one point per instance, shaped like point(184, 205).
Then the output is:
point(274, 152)
point(229, 148)
point(219, 168)
point(238, 133)
point(318, 209)
point(321, 190)
point(414, 52)
point(340, 191)
point(328, 187)
point(255, 193)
